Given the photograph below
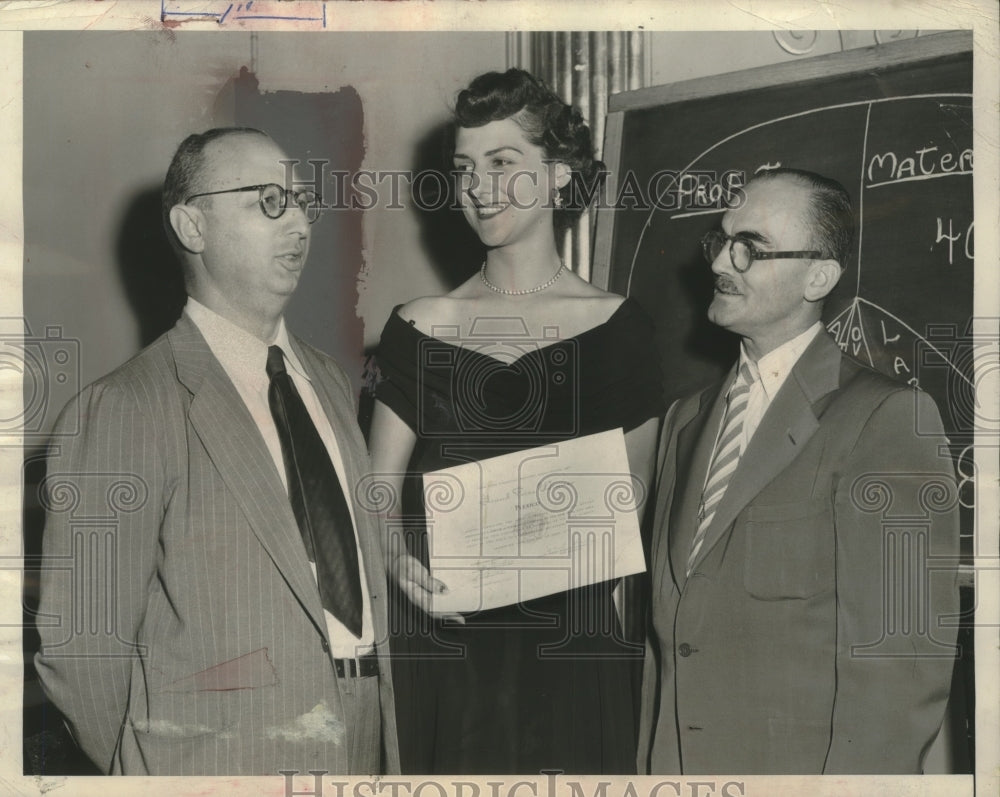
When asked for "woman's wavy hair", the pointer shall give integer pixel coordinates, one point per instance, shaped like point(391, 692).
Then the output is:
point(547, 122)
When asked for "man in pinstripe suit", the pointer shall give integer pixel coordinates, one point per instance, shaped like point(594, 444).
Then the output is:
point(185, 629)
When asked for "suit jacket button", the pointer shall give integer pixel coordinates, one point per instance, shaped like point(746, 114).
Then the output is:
point(685, 649)
point(325, 645)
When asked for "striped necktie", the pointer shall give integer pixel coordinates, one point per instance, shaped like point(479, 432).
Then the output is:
point(725, 459)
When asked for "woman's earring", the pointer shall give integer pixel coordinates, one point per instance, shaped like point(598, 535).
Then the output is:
point(556, 198)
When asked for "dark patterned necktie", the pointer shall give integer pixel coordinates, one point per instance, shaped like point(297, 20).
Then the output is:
point(317, 498)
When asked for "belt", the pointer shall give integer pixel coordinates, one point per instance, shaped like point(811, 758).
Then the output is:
point(364, 667)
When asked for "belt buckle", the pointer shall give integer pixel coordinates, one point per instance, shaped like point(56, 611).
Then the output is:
point(353, 667)
point(346, 668)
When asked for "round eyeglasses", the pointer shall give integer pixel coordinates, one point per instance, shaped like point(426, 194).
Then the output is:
point(274, 199)
point(742, 252)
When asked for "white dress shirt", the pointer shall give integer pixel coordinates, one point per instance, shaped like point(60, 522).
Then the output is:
point(770, 373)
point(244, 359)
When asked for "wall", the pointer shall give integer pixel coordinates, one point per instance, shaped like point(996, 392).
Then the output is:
point(683, 55)
point(104, 112)
point(407, 82)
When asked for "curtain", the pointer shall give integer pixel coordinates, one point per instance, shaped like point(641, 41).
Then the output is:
point(584, 68)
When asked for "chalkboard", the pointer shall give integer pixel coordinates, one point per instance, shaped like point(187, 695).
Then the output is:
point(892, 123)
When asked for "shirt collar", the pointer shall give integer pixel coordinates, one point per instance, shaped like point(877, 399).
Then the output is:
point(243, 356)
point(292, 361)
point(773, 368)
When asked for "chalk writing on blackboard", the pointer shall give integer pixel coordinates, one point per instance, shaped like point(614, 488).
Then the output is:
point(870, 327)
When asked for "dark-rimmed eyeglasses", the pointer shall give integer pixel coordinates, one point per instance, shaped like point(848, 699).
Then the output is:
point(742, 252)
point(274, 199)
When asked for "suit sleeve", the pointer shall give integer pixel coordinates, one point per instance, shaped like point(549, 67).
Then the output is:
point(103, 499)
point(896, 526)
point(650, 694)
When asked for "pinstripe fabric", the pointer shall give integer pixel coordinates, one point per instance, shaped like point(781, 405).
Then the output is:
point(203, 651)
point(725, 460)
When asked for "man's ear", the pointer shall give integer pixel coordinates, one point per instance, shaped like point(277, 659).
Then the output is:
point(189, 224)
point(823, 278)
point(561, 173)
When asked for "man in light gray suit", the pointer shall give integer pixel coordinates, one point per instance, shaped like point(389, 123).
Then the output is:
point(804, 601)
point(195, 618)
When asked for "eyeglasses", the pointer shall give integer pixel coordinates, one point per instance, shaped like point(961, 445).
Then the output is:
point(273, 199)
point(742, 252)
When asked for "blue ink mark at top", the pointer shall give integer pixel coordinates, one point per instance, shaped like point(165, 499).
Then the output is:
point(166, 13)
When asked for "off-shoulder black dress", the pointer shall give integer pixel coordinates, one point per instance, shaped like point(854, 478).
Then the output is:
point(547, 684)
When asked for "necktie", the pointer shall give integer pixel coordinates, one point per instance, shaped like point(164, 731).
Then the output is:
point(317, 498)
point(725, 459)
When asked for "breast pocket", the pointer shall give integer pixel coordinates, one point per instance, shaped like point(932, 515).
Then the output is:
point(789, 550)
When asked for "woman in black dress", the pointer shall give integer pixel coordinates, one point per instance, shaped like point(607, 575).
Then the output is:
point(524, 353)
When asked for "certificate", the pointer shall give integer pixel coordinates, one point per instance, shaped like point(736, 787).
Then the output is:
point(533, 523)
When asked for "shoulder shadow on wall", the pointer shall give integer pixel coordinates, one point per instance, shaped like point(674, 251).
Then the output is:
point(452, 248)
point(150, 271)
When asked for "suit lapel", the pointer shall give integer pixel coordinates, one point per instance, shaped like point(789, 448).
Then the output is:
point(341, 414)
point(694, 447)
point(786, 427)
point(336, 401)
point(229, 434)
point(339, 408)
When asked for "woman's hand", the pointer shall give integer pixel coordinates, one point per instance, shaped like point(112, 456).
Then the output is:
point(392, 443)
point(420, 586)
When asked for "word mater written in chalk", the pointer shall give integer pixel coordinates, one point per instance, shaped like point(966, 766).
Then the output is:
point(926, 163)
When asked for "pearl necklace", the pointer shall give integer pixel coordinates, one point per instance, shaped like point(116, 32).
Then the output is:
point(536, 289)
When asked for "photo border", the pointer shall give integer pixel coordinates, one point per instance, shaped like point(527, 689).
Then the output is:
point(686, 15)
